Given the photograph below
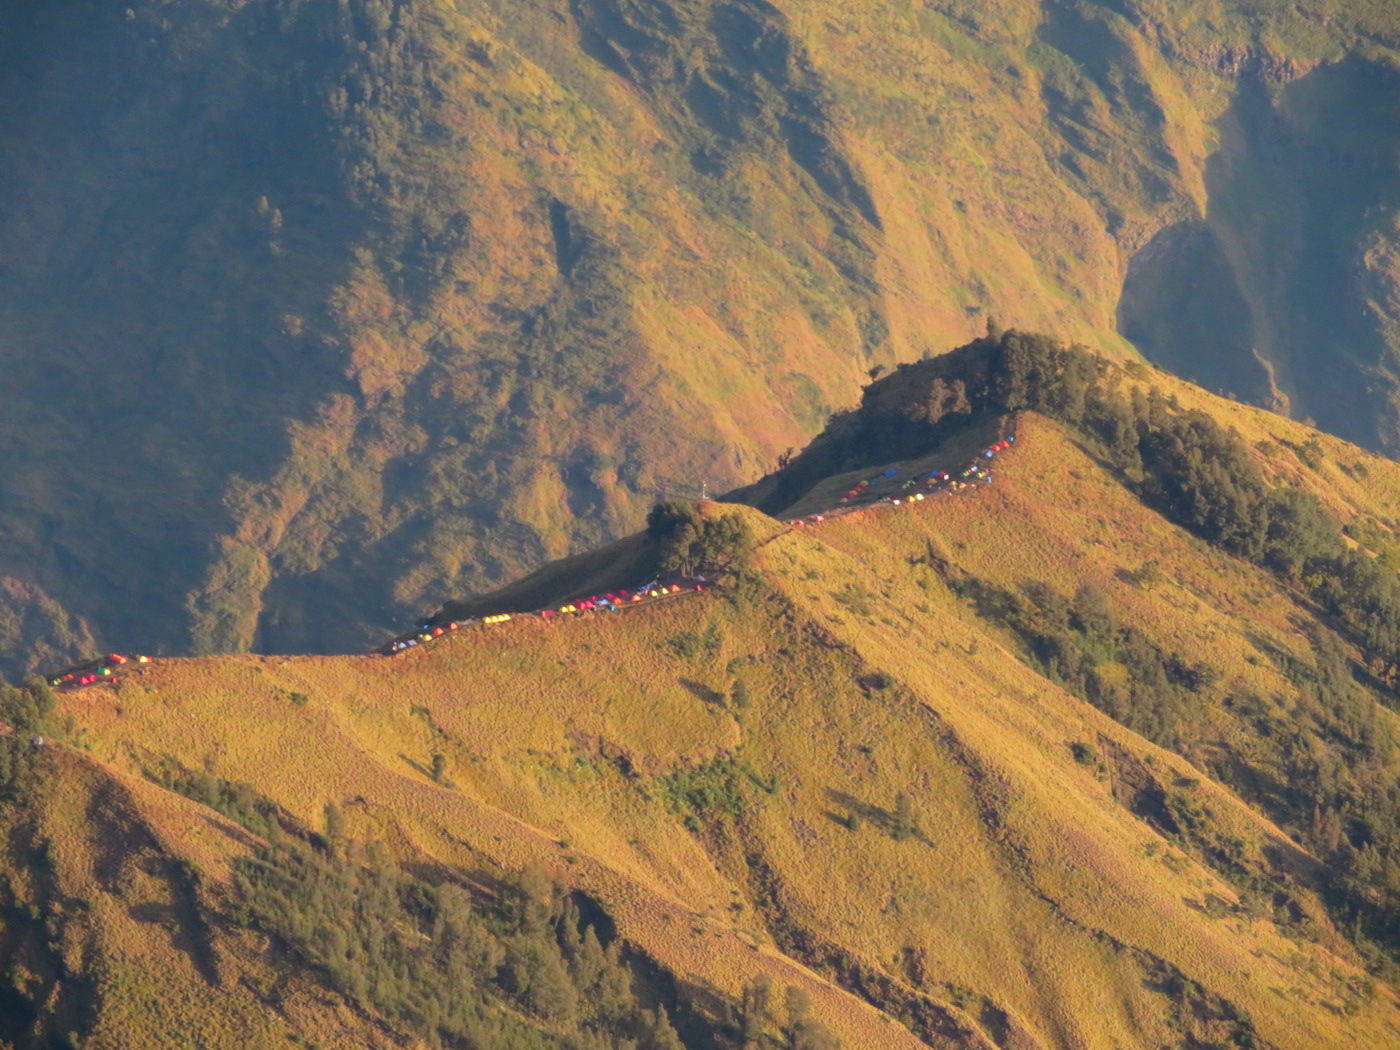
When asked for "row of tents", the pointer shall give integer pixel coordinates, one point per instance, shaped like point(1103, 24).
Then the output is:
point(107, 668)
point(933, 482)
point(607, 602)
point(103, 669)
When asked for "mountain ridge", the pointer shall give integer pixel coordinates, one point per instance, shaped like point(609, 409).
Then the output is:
point(1055, 880)
point(459, 267)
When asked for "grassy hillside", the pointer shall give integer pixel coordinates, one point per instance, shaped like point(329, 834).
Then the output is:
point(856, 778)
point(375, 305)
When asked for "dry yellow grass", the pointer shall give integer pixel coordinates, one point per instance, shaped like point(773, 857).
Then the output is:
point(1034, 909)
point(132, 926)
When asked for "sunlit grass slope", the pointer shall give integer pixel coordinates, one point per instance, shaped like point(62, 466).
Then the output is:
point(1025, 905)
point(105, 927)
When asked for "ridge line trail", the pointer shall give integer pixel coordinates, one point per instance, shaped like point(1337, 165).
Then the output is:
point(1005, 443)
point(1007, 429)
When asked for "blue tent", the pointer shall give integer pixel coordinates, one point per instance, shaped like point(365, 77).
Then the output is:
point(889, 473)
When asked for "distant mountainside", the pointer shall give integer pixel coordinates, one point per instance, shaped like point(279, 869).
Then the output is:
point(366, 306)
point(1074, 757)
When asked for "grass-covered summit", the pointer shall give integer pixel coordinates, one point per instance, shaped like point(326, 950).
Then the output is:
point(1039, 763)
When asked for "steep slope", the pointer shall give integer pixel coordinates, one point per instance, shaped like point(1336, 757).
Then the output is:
point(301, 296)
point(105, 932)
point(847, 775)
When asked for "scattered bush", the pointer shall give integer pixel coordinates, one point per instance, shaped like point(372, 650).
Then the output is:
point(691, 644)
point(1083, 753)
point(711, 791)
point(739, 695)
point(1079, 644)
point(1149, 575)
point(512, 970)
point(856, 599)
point(904, 822)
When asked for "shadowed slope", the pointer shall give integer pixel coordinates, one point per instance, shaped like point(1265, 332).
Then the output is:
point(374, 305)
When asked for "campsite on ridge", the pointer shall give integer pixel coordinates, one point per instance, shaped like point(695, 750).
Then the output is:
point(1010, 764)
point(700, 525)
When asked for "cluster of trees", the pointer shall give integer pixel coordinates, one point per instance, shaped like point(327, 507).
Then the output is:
point(1203, 477)
point(921, 404)
point(237, 801)
point(28, 708)
point(1323, 766)
point(693, 544)
point(1078, 643)
point(522, 972)
point(514, 968)
point(799, 1031)
point(1335, 787)
point(29, 711)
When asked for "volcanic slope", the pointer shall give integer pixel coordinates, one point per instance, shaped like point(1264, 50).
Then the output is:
point(840, 775)
point(377, 303)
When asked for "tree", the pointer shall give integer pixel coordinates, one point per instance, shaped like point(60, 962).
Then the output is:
point(690, 543)
point(753, 1010)
point(725, 543)
point(798, 1005)
point(612, 997)
point(942, 398)
point(1092, 614)
point(661, 1035)
point(335, 827)
point(549, 992)
point(439, 766)
point(665, 518)
point(1149, 575)
point(803, 1031)
point(904, 823)
point(739, 695)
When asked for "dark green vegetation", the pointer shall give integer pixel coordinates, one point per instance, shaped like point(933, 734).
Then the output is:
point(44, 1001)
point(314, 316)
point(484, 960)
point(432, 960)
point(1183, 463)
point(719, 789)
point(1327, 770)
point(848, 782)
point(1073, 641)
point(693, 545)
point(512, 965)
